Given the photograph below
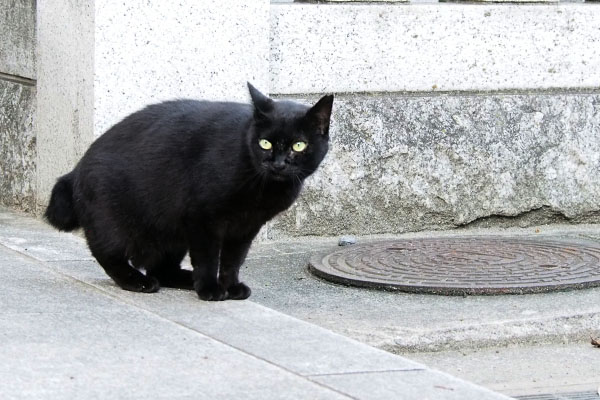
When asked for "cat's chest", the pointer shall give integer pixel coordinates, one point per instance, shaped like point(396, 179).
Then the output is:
point(257, 210)
point(253, 210)
point(247, 222)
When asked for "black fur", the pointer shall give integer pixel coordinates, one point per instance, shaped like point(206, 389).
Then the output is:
point(189, 176)
point(60, 212)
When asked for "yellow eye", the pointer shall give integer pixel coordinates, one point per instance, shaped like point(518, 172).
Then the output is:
point(265, 144)
point(299, 146)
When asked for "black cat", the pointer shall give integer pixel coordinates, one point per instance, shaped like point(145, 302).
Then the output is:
point(194, 176)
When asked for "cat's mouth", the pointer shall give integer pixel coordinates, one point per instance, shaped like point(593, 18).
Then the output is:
point(280, 175)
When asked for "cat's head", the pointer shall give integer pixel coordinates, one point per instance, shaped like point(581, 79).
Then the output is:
point(288, 140)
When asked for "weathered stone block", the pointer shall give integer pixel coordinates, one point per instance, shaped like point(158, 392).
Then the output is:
point(17, 145)
point(347, 48)
point(146, 52)
point(353, 1)
point(409, 163)
point(500, 1)
point(17, 30)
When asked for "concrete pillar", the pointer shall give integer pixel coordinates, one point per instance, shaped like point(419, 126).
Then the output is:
point(65, 99)
point(100, 60)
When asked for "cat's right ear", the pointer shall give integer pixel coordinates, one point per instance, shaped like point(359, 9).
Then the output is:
point(262, 104)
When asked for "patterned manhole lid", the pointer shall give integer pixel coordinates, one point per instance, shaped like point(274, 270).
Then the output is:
point(467, 265)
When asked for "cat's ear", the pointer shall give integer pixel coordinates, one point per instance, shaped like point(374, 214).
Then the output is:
point(318, 116)
point(262, 104)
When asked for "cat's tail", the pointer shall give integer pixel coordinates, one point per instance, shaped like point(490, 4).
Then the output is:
point(60, 212)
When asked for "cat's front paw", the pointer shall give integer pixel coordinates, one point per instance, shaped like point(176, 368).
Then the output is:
point(214, 292)
point(238, 291)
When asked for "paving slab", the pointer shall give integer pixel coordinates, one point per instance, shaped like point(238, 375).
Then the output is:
point(521, 371)
point(66, 331)
point(85, 344)
point(422, 385)
point(536, 344)
point(302, 347)
point(40, 240)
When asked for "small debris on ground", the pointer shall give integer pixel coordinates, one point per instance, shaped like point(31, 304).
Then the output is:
point(595, 342)
point(346, 240)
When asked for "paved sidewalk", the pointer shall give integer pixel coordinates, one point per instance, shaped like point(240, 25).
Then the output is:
point(516, 344)
point(409, 322)
point(66, 331)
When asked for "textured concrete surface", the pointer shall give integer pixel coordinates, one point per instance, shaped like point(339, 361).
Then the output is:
point(518, 370)
point(432, 47)
point(152, 51)
point(393, 384)
point(518, 345)
point(404, 323)
point(18, 149)
point(402, 163)
point(65, 91)
point(17, 30)
point(68, 332)
point(358, 1)
point(508, 1)
point(85, 344)
point(514, 344)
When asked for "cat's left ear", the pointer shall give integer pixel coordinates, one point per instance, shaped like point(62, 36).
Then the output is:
point(262, 104)
point(319, 114)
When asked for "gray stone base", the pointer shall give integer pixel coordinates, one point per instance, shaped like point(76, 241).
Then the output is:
point(408, 163)
point(17, 146)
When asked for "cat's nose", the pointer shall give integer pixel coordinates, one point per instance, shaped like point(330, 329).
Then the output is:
point(279, 165)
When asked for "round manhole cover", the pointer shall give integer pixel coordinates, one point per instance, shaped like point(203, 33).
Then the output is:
point(468, 265)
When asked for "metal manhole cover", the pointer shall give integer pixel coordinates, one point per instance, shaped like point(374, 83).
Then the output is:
point(468, 265)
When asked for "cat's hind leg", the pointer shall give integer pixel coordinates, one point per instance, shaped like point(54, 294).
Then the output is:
point(169, 273)
point(116, 265)
point(124, 275)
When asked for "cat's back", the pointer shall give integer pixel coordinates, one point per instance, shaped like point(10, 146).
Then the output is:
point(173, 120)
point(171, 128)
point(146, 163)
point(161, 140)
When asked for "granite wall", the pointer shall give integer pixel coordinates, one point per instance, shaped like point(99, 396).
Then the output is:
point(446, 115)
point(407, 163)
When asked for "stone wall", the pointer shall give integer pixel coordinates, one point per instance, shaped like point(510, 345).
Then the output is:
point(18, 150)
point(147, 52)
point(432, 48)
point(408, 163)
point(446, 115)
